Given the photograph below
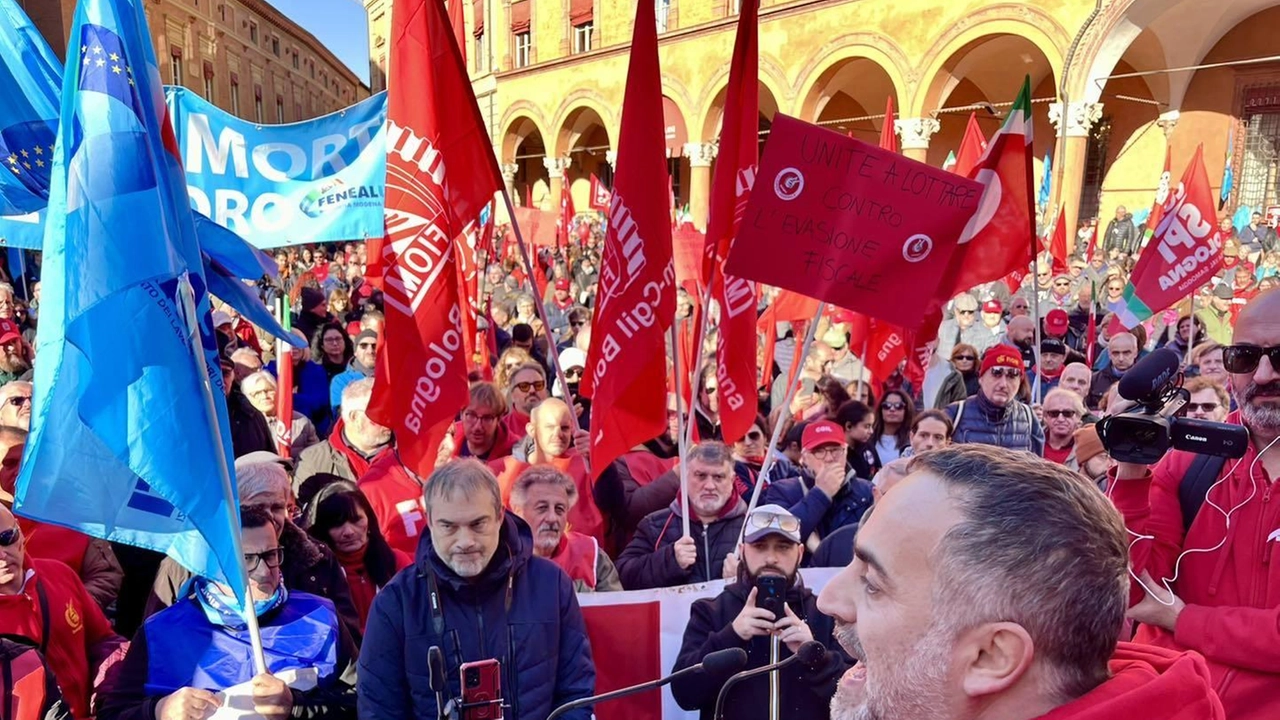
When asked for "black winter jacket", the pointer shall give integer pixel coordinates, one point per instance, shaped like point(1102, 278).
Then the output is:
point(649, 560)
point(805, 690)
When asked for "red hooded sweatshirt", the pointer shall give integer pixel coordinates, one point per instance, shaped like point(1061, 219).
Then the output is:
point(1148, 683)
point(1232, 616)
point(396, 497)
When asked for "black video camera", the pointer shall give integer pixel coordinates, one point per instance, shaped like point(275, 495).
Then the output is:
point(1144, 434)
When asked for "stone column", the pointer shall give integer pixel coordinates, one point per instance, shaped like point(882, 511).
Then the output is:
point(611, 157)
point(1074, 123)
point(700, 156)
point(915, 134)
point(1167, 122)
point(556, 168)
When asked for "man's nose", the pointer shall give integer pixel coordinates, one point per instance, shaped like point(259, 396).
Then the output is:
point(1266, 372)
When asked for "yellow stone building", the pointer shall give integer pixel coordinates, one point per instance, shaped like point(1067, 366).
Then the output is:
point(1109, 79)
point(244, 56)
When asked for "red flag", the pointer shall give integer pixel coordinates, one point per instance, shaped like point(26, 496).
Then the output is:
point(1058, 245)
point(735, 174)
point(888, 345)
point(888, 137)
point(432, 124)
point(1093, 242)
point(599, 194)
point(1013, 280)
point(469, 272)
point(636, 296)
point(786, 307)
point(284, 387)
point(1185, 252)
point(567, 214)
point(459, 29)
point(971, 148)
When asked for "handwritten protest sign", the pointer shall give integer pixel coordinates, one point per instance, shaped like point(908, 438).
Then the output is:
point(849, 223)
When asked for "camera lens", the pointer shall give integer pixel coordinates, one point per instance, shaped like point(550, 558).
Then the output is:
point(473, 677)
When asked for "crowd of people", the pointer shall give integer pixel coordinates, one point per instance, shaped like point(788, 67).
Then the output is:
point(985, 537)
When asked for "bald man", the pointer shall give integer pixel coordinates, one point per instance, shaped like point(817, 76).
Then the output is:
point(1224, 603)
point(1123, 349)
point(554, 439)
point(1021, 334)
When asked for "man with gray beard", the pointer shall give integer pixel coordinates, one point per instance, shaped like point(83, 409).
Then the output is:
point(1209, 583)
point(992, 585)
point(15, 354)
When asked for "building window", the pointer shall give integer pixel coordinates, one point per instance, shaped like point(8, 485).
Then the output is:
point(524, 44)
point(279, 110)
point(275, 46)
point(208, 88)
point(253, 32)
point(257, 110)
point(478, 53)
point(311, 65)
point(175, 66)
point(235, 98)
point(296, 63)
point(663, 10)
point(582, 37)
point(222, 12)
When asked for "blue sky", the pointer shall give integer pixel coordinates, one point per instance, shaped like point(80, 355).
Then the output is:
point(341, 25)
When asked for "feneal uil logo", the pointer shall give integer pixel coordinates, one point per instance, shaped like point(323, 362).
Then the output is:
point(917, 248)
point(788, 184)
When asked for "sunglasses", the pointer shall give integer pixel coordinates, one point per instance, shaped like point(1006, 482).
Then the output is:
point(1202, 407)
point(19, 400)
point(368, 346)
point(10, 536)
point(1004, 372)
point(573, 373)
point(1245, 358)
point(785, 523)
point(273, 558)
point(755, 436)
point(969, 358)
point(893, 405)
point(1060, 413)
point(966, 312)
point(538, 385)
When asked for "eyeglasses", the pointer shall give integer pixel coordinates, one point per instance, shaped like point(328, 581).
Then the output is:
point(262, 393)
point(19, 400)
point(368, 346)
point(830, 452)
point(1202, 407)
point(966, 358)
point(893, 405)
point(10, 536)
point(538, 385)
point(1245, 358)
point(470, 417)
point(573, 373)
point(1069, 414)
point(273, 558)
point(966, 312)
point(786, 523)
point(1004, 372)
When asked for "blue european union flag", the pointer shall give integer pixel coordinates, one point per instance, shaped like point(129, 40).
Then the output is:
point(129, 436)
point(30, 84)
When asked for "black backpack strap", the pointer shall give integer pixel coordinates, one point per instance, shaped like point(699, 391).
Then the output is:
point(1201, 474)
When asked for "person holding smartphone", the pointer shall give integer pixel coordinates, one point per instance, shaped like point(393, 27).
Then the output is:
point(767, 599)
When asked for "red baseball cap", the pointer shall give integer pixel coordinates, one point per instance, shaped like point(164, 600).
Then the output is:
point(822, 432)
point(9, 331)
point(992, 306)
point(562, 284)
point(842, 317)
point(1056, 322)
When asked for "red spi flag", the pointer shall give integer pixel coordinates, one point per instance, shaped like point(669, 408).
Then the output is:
point(735, 173)
point(440, 173)
point(850, 223)
point(1185, 252)
point(636, 295)
point(972, 148)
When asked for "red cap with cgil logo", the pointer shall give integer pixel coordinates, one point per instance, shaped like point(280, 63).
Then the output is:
point(822, 432)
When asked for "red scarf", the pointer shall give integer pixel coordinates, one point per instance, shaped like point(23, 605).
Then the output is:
point(361, 585)
point(359, 464)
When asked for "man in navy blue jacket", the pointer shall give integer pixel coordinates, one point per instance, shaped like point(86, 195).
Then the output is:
point(825, 498)
point(477, 592)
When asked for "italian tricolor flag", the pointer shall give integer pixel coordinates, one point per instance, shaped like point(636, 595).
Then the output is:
point(1000, 237)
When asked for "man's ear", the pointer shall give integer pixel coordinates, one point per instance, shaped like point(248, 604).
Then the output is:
point(995, 658)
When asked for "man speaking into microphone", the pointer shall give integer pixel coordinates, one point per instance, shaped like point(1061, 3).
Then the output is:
point(738, 617)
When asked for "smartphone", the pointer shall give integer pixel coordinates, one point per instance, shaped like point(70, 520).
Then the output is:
point(771, 592)
point(482, 690)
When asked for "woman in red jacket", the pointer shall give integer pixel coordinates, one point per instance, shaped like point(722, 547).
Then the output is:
point(340, 516)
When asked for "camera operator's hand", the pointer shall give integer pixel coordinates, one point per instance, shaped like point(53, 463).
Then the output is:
point(1160, 610)
point(686, 552)
point(792, 631)
point(753, 621)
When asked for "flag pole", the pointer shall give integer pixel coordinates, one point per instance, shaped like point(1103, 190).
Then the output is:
point(228, 489)
point(680, 442)
point(770, 452)
point(698, 365)
point(553, 356)
point(1191, 336)
point(1035, 302)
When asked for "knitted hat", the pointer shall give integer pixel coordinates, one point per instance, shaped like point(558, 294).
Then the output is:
point(1001, 356)
point(311, 298)
point(1088, 445)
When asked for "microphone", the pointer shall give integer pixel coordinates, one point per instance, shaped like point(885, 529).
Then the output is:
point(809, 653)
point(720, 661)
point(436, 680)
point(1142, 381)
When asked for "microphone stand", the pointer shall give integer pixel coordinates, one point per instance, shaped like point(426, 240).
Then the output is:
point(808, 653)
point(623, 692)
